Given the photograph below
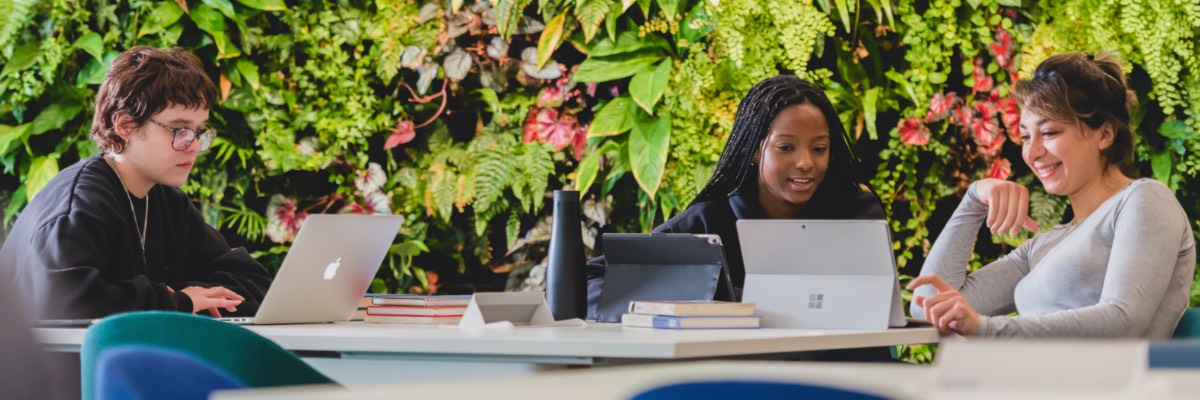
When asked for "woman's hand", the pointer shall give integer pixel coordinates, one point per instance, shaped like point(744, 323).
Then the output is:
point(947, 310)
point(212, 299)
point(1008, 206)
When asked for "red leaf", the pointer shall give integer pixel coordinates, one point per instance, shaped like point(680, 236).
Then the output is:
point(402, 133)
point(983, 82)
point(939, 106)
point(1010, 114)
point(1001, 169)
point(1002, 48)
point(562, 132)
point(913, 133)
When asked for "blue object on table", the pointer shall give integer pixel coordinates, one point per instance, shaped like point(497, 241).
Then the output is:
point(725, 390)
point(146, 372)
point(1183, 353)
point(247, 356)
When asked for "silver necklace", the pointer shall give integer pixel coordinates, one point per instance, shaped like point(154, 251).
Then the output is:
point(132, 211)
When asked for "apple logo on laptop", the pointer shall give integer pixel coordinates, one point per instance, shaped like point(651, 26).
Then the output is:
point(331, 270)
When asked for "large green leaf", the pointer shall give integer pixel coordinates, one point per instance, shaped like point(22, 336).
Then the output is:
point(23, 57)
point(208, 19)
point(604, 69)
point(647, 87)
point(224, 6)
point(589, 167)
point(870, 100)
point(15, 203)
point(91, 43)
point(649, 144)
point(55, 116)
point(1176, 129)
point(41, 170)
point(265, 5)
point(249, 71)
point(225, 47)
point(628, 42)
point(12, 134)
point(508, 15)
point(669, 7)
point(614, 118)
point(94, 71)
point(551, 38)
point(160, 18)
point(590, 14)
point(1162, 165)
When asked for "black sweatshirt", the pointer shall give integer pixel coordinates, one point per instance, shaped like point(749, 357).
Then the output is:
point(720, 217)
point(74, 251)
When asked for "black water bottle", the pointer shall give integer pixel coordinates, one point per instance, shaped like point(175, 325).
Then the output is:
point(566, 283)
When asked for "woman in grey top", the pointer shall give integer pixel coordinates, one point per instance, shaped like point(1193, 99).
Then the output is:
point(1121, 268)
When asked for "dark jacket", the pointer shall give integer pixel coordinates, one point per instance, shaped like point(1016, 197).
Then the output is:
point(74, 252)
point(720, 217)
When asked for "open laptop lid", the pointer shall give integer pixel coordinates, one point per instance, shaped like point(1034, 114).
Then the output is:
point(329, 267)
point(661, 267)
point(839, 250)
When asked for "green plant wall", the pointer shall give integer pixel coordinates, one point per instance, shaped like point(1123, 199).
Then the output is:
point(463, 115)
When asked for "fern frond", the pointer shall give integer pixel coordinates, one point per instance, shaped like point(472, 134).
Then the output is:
point(538, 165)
point(440, 193)
point(18, 13)
point(495, 169)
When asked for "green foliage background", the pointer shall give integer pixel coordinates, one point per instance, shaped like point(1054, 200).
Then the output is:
point(463, 115)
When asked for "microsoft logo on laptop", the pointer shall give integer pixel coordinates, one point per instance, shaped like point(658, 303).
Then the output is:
point(814, 300)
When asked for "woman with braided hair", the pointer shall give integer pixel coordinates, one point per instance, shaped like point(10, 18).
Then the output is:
point(787, 157)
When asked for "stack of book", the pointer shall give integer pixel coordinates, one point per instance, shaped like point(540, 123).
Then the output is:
point(690, 315)
point(417, 309)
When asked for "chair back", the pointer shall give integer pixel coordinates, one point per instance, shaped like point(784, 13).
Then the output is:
point(146, 372)
point(724, 390)
point(247, 356)
point(1189, 325)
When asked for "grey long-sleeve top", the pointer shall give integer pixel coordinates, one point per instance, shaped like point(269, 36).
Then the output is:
point(1124, 271)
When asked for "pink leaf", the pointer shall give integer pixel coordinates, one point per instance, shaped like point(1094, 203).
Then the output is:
point(913, 133)
point(1001, 169)
point(1010, 114)
point(939, 106)
point(402, 133)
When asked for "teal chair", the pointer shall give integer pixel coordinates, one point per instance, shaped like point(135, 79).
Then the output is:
point(248, 357)
point(1189, 325)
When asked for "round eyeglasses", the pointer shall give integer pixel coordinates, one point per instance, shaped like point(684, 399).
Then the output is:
point(185, 136)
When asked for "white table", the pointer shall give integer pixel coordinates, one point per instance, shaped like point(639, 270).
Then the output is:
point(356, 353)
point(898, 381)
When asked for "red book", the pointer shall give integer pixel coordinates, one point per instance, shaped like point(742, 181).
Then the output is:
point(416, 311)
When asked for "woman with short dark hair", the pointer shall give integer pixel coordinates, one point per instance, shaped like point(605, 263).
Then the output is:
point(1123, 265)
point(114, 232)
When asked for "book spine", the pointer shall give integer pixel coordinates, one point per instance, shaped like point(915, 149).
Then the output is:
point(662, 322)
point(639, 307)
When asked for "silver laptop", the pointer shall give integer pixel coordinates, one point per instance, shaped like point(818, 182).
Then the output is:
point(821, 274)
point(329, 267)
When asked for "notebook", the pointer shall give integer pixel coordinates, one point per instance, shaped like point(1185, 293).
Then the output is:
point(821, 274)
point(660, 267)
point(329, 267)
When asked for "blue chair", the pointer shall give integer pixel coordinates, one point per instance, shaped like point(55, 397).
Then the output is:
point(725, 390)
point(1189, 325)
point(145, 372)
point(1184, 350)
point(245, 355)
